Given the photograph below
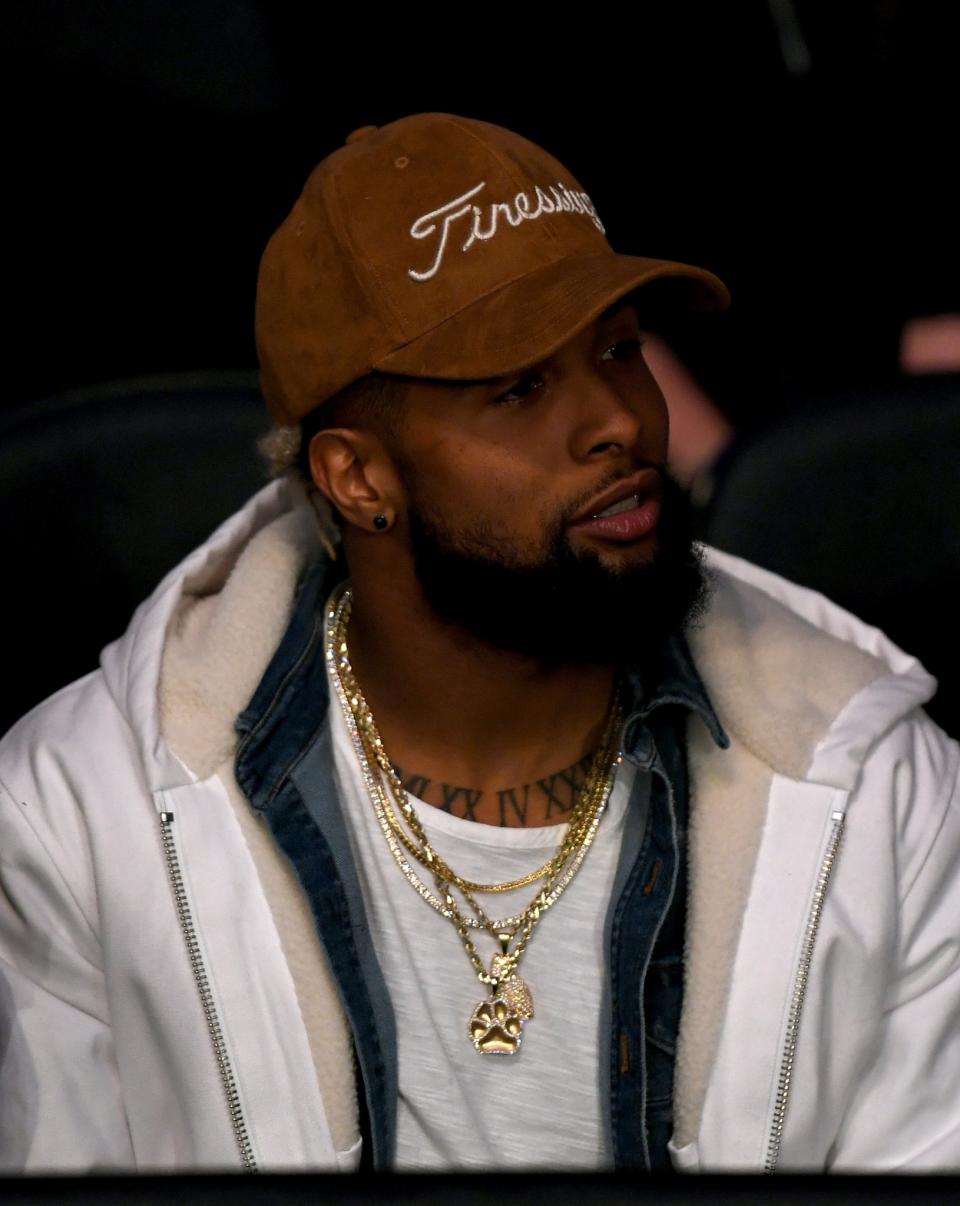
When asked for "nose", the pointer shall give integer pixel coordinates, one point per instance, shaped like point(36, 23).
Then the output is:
point(612, 420)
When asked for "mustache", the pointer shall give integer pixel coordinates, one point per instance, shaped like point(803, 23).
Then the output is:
point(608, 482)
point(571, 511)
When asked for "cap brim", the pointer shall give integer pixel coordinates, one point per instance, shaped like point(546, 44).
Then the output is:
point(528, 319)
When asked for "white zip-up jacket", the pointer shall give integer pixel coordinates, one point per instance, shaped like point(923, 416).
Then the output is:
point(164, 1000)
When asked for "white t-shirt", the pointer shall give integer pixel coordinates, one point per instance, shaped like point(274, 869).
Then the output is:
point(539, 1108)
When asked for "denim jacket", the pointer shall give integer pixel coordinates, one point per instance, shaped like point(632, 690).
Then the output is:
point(285, 767)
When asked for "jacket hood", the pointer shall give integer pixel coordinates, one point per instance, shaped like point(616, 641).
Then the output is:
point(132, 665)
point(804, 685)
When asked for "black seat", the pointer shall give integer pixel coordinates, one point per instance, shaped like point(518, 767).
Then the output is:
point(859, 498)
point(103, 491)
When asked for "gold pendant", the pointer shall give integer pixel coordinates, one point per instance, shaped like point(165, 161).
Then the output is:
point(496, 1025)
point(496, 1028)
point(510, 987)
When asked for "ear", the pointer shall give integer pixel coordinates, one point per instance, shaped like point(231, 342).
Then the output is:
point(355, 473)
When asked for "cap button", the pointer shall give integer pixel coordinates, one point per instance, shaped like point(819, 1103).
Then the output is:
point(362, 132)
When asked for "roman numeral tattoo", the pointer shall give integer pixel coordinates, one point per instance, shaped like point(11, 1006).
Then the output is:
point(514, 800)
point(555, 794)
point(562, 789)
point(460, 801)
point(414, 785)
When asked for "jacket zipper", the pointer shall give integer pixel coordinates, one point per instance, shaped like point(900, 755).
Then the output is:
point(785, 1079)
point(206, 996)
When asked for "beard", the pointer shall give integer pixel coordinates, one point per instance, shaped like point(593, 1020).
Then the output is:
point(566, 607)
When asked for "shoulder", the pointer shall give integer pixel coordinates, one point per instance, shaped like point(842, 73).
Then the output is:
point(776, 597)
point(53, 763)
point(822, 697)
point(73, 757)
point(807, 686)
point(917, 766)
point(59, 744)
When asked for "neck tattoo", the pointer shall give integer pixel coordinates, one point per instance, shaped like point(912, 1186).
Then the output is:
point(546, 801)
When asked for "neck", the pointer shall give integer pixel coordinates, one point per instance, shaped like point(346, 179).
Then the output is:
point(452, 709)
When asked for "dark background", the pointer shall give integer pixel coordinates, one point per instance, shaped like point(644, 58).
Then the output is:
point(802, 150)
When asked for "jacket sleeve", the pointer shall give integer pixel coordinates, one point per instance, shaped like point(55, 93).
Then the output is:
point(60, 1103)
point(906, 1112)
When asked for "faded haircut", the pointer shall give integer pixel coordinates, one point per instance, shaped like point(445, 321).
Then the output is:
point(374, 403)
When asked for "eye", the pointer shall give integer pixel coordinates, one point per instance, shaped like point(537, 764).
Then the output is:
point(520, 391)
point(623, 349)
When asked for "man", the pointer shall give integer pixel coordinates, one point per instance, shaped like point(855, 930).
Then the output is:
point(443, 810)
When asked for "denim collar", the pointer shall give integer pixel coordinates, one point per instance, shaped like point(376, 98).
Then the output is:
point(676, 681)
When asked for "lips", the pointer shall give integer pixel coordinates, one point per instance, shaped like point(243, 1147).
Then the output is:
point(642, 485)
point(627, 511)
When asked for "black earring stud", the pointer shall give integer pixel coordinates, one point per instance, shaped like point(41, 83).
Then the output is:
point(380, 522)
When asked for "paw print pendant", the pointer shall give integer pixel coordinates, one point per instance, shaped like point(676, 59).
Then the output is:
point(496, 1028)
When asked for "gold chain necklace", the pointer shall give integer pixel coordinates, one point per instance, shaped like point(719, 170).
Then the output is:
point(496, 1024)
point(419, 846)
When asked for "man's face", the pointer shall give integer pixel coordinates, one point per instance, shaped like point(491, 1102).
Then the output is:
point(504, 481)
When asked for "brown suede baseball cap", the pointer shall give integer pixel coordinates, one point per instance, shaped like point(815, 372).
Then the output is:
point(437, 246)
